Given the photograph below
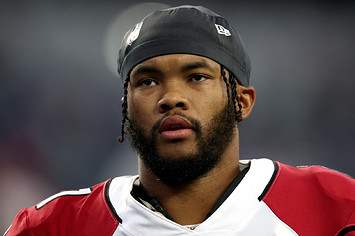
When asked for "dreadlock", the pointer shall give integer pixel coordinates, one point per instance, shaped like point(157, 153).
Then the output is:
point(231, 94)
point(124, 110)
point(227, 86)
point(232, 88)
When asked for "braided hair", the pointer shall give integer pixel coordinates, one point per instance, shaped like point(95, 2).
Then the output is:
point(231, 94)
point(124, 109)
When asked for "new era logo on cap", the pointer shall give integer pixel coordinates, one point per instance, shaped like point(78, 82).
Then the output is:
point(222, 30)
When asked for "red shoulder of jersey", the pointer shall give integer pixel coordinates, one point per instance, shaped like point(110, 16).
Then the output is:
point(76, 212)
point(313, 199)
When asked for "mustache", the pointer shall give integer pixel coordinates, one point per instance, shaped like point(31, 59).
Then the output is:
point(195, 123)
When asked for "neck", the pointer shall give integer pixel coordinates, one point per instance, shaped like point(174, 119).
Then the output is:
point(190, 203)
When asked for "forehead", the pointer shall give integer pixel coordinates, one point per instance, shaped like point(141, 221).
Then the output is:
point(182, 62)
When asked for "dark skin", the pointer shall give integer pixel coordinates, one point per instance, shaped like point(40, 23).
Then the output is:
point(191, 85)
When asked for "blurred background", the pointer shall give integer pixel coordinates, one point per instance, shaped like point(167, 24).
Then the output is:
point(60, 96)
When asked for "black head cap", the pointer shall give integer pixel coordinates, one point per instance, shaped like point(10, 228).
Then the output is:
point(185, 30)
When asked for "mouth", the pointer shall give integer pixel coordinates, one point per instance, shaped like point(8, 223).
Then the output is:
point(175, 127)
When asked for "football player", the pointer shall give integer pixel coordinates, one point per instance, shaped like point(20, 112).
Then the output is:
point(185, 74)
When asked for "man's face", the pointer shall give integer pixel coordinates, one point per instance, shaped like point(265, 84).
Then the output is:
point(178, 115)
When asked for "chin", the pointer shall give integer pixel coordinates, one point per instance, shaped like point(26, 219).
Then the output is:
point(176, 155)
point(176, 151)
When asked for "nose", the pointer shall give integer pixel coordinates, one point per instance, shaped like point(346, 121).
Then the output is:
point(173, 98)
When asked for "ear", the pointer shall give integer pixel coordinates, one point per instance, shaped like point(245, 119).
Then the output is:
point(246, 97)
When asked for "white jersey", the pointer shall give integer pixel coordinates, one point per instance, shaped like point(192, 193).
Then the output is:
point(271, 199)
point(241, 214)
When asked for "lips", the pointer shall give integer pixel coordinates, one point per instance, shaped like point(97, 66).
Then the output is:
point(175, 127)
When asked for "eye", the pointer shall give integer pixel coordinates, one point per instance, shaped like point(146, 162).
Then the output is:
point(147, 82)
point(198, 78)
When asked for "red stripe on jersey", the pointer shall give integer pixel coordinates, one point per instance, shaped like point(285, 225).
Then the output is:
point(68, 215)
point(312, 200)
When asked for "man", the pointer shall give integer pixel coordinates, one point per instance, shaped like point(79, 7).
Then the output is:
point(186, 88)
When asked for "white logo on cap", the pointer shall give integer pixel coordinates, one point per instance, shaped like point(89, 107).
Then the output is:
point(222, 30)
point(134, 34)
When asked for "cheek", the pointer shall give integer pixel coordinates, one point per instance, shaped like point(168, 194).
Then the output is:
point(216, 100)
point(138, 110)
point(213, 106)
point(134, 109)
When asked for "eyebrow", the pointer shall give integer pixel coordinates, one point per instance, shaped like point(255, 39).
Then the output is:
point(196, 65)
point(142, 69)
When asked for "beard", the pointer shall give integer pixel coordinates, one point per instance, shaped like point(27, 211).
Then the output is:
point(211, 144)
